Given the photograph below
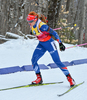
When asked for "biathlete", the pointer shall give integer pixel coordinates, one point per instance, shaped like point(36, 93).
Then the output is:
point(43, 33)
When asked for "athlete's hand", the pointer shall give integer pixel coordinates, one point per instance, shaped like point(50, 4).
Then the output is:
point(62, 47)
point(30, 32)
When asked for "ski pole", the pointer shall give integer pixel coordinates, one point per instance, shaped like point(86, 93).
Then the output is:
point(76, 45)
point(58, 28)
point(61, 28)
point(64, 27)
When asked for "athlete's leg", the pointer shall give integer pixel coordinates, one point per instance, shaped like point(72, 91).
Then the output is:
point(38, 53)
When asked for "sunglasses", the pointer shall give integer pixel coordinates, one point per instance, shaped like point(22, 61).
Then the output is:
point(30, 21)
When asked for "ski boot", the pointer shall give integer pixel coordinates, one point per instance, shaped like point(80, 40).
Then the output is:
point(70, 80)
point(38, 80)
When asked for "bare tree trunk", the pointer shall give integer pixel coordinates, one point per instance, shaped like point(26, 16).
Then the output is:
point(53, 12)
point(81, 22)
point(67, 5)
point(40, 8)
point(85, 34)
point(75, 31)
point(3, 17)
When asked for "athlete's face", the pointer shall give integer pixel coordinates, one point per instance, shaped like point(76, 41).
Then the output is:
point(32, 23)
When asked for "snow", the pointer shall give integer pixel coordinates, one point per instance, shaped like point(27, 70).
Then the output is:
point(19, 52)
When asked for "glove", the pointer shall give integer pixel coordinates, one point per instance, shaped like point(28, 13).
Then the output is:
point(62, 47)
point(31, 33)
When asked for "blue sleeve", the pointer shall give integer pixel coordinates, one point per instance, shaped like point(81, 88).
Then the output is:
point(55, 34)
point(44, 28)
point(51, 31)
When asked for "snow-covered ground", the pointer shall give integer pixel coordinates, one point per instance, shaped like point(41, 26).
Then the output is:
point(19, 52)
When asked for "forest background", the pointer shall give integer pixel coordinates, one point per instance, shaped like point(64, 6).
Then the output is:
point(71, 15)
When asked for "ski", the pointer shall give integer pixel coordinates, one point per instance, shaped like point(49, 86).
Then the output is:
point(30, 85)
point(71, 89)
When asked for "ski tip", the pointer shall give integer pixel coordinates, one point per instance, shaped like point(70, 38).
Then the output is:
point(70, 89)
point(81, 82)
point(60, 82)
point(59, 95)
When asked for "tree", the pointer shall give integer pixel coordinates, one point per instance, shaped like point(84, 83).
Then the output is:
point(77, 15)
point(85, 34)
point(14, 13)
point(81, 20)
point(53, 12)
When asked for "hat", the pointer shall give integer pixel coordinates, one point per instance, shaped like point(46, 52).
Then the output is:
point(31, 18)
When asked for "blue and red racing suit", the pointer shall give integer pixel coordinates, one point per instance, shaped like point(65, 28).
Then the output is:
point(46, 43)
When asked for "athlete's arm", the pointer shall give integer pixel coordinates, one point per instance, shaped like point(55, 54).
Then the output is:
point(51, 31)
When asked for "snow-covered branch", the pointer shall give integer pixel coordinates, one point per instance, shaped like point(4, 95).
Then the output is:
point(12, 35)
